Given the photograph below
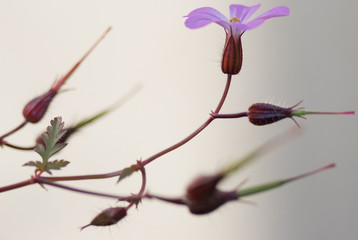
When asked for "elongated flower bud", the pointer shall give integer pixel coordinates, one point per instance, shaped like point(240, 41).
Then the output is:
point(108, 217)
point(232, 56)
point(36, 108)
point(264, 113)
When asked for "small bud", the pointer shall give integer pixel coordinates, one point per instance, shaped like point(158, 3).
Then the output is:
point(36, 108)
point(202, 187)
point(108, 217)
point(264, 113)
point(232, 56)
point(203, 197)
point(212, 202)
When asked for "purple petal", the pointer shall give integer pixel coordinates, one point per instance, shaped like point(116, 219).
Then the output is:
point(242, 12)
point(248, 26)
point(275, 12)
point(203, 16)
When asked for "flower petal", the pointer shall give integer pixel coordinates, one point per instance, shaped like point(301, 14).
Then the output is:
point(243, 13)
point(203, 16)
point(275, 12)
point(248, 26)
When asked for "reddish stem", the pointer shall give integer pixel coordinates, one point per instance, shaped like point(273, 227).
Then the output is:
point(42, 180)
point(233, 115)
point(309, 173)
point(152, 158)
point(13, 131)
point(196, 132)
point(332, 113)
point(17, 185)
point(19, 147)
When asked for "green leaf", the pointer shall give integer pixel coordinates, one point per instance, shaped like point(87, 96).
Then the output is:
point(52, 165)
point(55, 165)
point(50, 139)
point(36, 164)
point(51, 145)
point(57, 147)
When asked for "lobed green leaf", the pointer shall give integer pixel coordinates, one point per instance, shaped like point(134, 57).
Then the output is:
point(50, 140)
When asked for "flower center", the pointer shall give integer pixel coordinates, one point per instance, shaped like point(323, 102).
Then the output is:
point(234, 19)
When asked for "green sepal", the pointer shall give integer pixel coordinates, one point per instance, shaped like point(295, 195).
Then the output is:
point(299, 112)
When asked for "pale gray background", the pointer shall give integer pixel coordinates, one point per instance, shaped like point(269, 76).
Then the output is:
point(310, 55)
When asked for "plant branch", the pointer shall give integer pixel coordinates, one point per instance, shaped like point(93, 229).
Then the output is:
point(152, 158)
point(42, 180)
point(233, 115)
point(12, 131)
point(17, 185)
point(196, 132)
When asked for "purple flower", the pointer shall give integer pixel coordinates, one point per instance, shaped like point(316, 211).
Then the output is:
point(235, 26)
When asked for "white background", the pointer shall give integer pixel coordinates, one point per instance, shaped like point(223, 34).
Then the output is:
point(310, 55)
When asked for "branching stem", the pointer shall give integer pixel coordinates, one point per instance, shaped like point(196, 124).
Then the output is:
point(155, 156)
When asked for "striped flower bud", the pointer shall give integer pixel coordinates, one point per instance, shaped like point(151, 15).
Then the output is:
point(108, 217)
point(36, 108)
point(264, 113)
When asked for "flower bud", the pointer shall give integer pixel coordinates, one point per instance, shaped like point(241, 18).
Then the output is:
point(232, 56)
point(203, 197)
point(108, 217)
point(216, 199)
point(202, 187)
point(36, 108)
point(264, 113)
